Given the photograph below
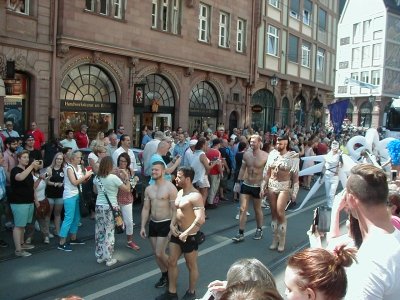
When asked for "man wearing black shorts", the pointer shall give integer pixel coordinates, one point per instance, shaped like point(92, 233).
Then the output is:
point(187, 219)
point(252, 170)
point(159, 199)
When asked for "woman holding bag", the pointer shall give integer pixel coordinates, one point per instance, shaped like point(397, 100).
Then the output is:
point(107, 186)
point(125, 199)
point(74, 177)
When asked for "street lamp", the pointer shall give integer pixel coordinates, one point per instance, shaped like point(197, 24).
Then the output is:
point(274, 83)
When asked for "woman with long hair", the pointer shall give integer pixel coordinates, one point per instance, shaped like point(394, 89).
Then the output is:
point(55, 188)
point(125, 198)
point(242, 271)
point(22, 199)
point(99, 141)
point(316, 273)
point(106, 182)
point(71, 194)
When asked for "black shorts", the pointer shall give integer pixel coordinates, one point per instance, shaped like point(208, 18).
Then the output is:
point(189, 246)
point(250, 190)
point(159, 229)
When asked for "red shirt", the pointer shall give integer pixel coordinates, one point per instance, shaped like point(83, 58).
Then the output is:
point(39, 138)
point(213, 154)
point(82, 139)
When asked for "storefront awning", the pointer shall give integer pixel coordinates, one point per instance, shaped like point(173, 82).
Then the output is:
point(2, 88)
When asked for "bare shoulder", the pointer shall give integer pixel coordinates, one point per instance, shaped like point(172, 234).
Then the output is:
point(171, 187)
point(196, 198)
point(247, 155)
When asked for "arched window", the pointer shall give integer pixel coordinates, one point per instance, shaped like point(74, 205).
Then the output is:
point(300, 110)
point(88, 96)
point(365, 115)
point(88, 83)
point(203, 107)
point(157, 88)
point(203, 98)
point(285, 112)
point(349, 112)
point(263, 117)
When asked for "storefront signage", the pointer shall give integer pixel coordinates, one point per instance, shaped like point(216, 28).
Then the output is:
point(13, 87)
point(86, 105)
point(257, 108)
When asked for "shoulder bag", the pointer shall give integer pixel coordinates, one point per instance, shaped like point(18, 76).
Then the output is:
point(119, 223)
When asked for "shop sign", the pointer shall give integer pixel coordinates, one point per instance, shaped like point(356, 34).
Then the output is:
point(84, 105)
point(13, 87)
point(257, 108)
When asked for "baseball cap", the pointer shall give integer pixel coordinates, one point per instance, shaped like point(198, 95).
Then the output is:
point(29, 136)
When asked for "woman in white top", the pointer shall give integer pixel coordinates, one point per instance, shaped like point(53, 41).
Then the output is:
point(94, 159)
point(74, 177)
point(110, 183)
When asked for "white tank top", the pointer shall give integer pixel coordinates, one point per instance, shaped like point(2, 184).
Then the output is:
point(198, 167)
point(71, 190)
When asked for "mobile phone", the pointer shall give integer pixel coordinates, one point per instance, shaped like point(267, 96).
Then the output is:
point(40, 161)
point(88, 168)
point(394, 175)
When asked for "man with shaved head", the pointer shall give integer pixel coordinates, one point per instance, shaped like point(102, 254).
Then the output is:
point(162, 150)
point(249, 178)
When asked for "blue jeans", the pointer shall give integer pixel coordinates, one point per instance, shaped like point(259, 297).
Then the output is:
point(72, 216)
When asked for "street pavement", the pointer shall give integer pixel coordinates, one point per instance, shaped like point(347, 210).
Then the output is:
point(50, 273)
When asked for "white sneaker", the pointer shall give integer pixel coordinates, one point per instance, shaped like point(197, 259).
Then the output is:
point(247, 213)
point(111, 262)
point(51, 235)
point(22, 253)
point(237, 217)
point(101, 260)
point(264, 203)
point(28, 241)
point(46, 240)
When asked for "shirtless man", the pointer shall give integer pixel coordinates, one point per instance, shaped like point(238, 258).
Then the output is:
point(252, 171)
point(159, 199)
point(188, 217)
point(281, 183)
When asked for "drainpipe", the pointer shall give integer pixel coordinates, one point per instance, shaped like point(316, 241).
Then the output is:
point(53, 71)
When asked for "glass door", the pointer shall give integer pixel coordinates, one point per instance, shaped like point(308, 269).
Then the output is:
point(160, 121)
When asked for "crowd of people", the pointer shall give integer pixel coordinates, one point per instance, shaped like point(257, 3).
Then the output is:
point(183, 176)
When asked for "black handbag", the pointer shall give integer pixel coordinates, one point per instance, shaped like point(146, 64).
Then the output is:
point(119, 222)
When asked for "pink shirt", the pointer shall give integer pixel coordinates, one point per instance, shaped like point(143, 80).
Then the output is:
point(9, 162)
point(396, 222)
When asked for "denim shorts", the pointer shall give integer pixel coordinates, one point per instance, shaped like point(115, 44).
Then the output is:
point(22, 213)
point(56, 201)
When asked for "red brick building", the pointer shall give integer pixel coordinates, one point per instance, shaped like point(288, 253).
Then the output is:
point(160, 63)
